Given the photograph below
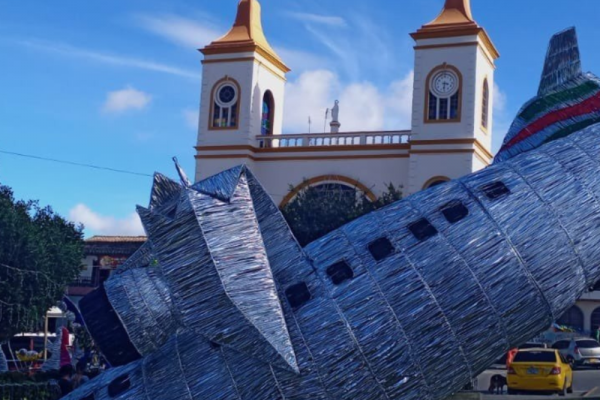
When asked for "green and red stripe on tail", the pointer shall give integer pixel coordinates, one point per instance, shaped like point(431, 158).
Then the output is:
point(567, 100)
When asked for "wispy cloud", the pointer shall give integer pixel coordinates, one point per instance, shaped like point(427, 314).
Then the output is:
point(191, 116)
point(182, 31)
point(318, 19)
point(107, 58)
point(199, 32)
point(502, 118)
point(353, 54)
point(105, 225)
point(126, 99)
point(363, 106)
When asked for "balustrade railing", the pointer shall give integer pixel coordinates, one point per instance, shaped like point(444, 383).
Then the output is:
point(335, 139)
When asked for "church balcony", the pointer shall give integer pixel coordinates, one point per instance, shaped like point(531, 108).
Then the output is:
point(334, 139)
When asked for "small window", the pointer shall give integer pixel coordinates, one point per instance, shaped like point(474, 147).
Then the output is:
point(422, 229)
point(225, 105)
point(381, 248)
point(298, 295)
point(340, 272)
point(495, 190)
point(214, 345)
point(485, 104)
point(119, 385)
point(455, 211)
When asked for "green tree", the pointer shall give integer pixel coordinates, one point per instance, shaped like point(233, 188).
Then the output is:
point(40, 254)
point(316, 211)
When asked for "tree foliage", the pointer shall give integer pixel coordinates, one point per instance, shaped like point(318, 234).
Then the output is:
point(315, 212)
point(40, 254)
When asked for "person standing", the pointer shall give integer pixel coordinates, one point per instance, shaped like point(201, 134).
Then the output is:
point(65, 382)
point(80, 378)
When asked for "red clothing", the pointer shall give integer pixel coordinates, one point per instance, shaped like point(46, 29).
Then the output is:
point(510, 357)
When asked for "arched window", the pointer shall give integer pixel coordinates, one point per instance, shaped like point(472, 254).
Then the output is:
point(595, 319)
point(573, 318)
point(443, 93)
point(485, 105)
point(435, 181)
point(225, 105)
point(268, 114)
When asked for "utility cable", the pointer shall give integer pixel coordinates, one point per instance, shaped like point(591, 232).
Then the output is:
point(121, 171)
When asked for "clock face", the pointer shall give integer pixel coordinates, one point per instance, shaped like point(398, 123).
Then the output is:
point(445, 83)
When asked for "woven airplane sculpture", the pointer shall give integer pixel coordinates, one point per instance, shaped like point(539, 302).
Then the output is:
point(409, 302)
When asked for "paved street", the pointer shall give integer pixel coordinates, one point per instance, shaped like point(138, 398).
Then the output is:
point(584, 380)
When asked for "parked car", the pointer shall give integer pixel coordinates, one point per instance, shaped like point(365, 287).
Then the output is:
point(580, 352)
point(540, 370)
point(528, 345)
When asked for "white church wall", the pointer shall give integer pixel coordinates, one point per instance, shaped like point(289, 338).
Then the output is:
point(485, 70)
point(464, 58)
point(242, 72)
point(277, 176)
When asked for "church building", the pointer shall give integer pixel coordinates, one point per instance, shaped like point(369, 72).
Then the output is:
point(241, 114)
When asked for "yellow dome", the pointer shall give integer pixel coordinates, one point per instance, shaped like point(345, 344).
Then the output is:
point(246, 35)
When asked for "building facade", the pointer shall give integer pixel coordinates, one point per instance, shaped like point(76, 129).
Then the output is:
point(241, 119)
point(102, 255)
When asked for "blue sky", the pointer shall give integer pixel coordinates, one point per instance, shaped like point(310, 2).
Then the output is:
point(116, 83)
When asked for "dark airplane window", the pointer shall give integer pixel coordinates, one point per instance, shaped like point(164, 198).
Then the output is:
point(214, 345)
point(495, 190)
point(381, 248)
point(455, 211)
point(297, 295)
point(340, 272)
point(422, 229)
point(119, 385)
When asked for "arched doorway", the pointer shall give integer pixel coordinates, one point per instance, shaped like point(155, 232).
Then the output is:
point(573, 318)
point(328, 183)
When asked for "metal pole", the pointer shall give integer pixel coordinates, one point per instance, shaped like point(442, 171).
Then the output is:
point(46, 336)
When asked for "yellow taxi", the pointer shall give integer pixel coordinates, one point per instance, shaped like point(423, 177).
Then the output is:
point(540, 370)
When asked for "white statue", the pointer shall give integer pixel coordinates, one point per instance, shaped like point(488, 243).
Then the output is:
point(335, 112)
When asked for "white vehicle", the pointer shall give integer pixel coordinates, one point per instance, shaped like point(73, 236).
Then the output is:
point(580, 352)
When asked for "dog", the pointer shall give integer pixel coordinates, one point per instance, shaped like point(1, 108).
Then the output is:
point(497, 384)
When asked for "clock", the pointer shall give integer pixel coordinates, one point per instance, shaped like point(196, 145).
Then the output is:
point(444, 83)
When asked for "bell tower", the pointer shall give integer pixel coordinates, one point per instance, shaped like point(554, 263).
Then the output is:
point(453, 93)
point(243, 82)
point(454, 77)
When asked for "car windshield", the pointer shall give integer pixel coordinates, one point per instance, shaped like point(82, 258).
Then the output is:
point(535, 356)
point(587, 344)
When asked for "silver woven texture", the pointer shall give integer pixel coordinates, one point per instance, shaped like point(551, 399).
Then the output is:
point(418, 324)
point(409, 302)
point(3, 362)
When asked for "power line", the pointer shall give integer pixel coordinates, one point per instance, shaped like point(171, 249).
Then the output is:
point(121, 171)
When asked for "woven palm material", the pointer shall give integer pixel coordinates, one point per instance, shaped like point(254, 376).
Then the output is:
point(409, 302)
point(568, 101)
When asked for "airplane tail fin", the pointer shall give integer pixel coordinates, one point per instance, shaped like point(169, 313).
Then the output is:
point(563, 62)
point(567, 101)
